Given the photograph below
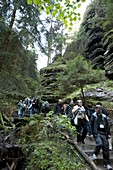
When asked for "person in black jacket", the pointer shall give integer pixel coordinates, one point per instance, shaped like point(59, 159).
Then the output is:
point(69, 107)
point(100, 130)
point(58, 108)
point(104, 111)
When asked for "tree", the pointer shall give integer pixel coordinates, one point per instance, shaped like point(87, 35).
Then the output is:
point(52, 37)
point(18, 31)
point(63, 10)
point(79, 73)
point(108, 23)
point(24, 18)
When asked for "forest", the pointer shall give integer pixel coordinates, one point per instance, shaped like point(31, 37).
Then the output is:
point(78, 66)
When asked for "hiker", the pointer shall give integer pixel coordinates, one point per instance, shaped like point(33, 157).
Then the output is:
point(81, 120)
point(104, 111)
point(69, 107)
point(101, 132)
point(21, 109)
point(30, 107)
point(58, 108)
point(45, 108)
point(90, 110)
point(27, 103)
point(36, 106)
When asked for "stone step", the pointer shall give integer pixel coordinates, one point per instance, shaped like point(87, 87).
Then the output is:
point(89, 148)
point(100, 160)
point(89, 152)
point(89, 138)
point(101, 167)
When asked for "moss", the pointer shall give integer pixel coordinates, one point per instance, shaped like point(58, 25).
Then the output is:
point(110, 47)
point(109, 39)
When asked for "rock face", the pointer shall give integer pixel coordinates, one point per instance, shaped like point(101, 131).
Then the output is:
point(94, 50)
point(51, 83)
point(98, 41)
point(94, 42)
point(99, 94)
point(108, 56)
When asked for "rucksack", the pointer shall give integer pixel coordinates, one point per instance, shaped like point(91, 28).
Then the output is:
point(46, 105)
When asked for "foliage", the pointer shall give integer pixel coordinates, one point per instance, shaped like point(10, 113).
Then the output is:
point(53, 37)
point(63, 10)
point(77, 45)
point(108, 23)
point(18, 69)
point(80, 72)
point(18, 72)
point(45, 147)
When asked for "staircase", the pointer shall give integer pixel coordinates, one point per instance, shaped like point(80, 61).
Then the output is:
point(88, 149)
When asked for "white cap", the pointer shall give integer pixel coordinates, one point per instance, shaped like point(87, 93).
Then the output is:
point(98, 105)
point(79, 101)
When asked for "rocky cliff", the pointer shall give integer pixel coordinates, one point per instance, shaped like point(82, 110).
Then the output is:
point(50, 81)
point(98, 38)
point(94, 42)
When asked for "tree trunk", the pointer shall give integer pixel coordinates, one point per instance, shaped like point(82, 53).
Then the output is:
point(84, 155)
point(50, 44)
point(80, 151)
point(12, 19)
point(83, 97)
point(10, 28)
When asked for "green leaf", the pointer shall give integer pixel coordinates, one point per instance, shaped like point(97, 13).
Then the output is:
point(29, 2)
point(67, 1)
point(75, 18)
point(78, 14)
point(65, 22)
point(83, 0)
point(38, 2)
point(71, 24)
point(79, 18)
point(79, 5)
point(70, 28)
point(74, 7)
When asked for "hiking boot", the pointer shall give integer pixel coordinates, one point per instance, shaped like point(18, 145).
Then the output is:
point(94, 157)
point(110, 149)
point(108, 167)
point(83, 142)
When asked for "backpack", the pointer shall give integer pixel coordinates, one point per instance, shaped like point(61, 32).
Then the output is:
point(45, 107)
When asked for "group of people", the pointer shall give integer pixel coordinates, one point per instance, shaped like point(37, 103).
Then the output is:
point(32, 106)
point(91, 121)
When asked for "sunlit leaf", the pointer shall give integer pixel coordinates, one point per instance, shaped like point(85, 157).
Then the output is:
point(29, 2)
point(74, 7)
point(67, 1)
point(78, 14)
point(37, 2)
point(75, 18)
point(79, 5)
point(67, 11)
point(65, 22)
point(79, 18)
point(70, 28)
point(71, 24)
